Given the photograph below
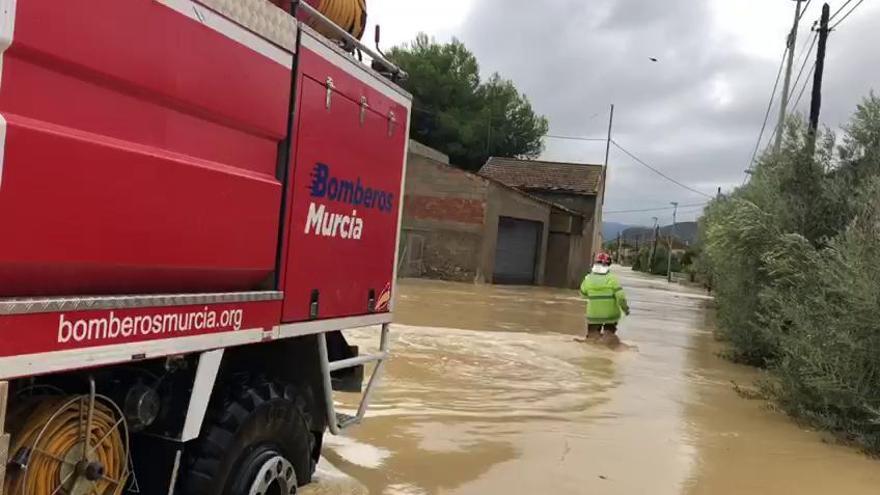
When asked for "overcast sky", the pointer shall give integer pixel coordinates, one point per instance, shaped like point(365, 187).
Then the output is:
point(695, 114)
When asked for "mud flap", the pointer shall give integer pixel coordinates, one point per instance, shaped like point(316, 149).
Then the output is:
point(156, 464)
point(349, 379)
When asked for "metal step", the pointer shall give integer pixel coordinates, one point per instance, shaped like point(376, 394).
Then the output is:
point(346, 420)
point(338, 422)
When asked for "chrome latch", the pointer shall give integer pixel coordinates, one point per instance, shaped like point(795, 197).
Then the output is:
point(392, 122)
point(330, 88)
point(199, 14)
point(314, 304)
point(364, 107)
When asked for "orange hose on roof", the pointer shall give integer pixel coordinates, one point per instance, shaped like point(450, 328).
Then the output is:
point(350, 15)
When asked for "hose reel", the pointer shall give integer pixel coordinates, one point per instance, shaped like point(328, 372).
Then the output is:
point(68, 445)
point(350, 15)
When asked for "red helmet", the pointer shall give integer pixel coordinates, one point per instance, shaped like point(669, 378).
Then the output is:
point(603, 259)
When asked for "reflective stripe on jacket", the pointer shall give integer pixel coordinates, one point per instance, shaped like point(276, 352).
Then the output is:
point(605, 298)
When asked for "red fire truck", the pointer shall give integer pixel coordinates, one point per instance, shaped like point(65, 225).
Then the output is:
point(196, 198)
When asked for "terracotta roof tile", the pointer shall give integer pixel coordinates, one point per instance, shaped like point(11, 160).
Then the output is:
point(535, 175)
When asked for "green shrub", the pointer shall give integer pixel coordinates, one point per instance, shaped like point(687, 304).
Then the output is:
point(826, 310)
point(794, 260)
point(642, 262)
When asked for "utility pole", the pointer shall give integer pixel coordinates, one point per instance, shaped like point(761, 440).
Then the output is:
point(619, 245)
point(671, 239)
point(816, 104)
point(654, 247)
point(786, 88)
point(608, 143)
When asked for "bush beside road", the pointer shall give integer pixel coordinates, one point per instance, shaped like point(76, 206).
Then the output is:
point(794, 256)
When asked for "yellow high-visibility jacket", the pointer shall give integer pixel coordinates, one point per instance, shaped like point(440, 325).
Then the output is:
point(605, 298)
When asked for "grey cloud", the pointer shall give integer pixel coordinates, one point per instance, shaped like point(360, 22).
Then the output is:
point(695, 114)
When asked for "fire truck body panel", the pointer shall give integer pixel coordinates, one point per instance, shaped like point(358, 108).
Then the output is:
point(345, 189)
point(195, 196)
point(147, 145)
point(140, 150)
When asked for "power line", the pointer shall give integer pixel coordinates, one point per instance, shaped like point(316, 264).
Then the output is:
point(574, 138)
point(806, 58)
point(661, 174)
point(804, 64)
point(808, 40)
point(838, 11)
point(807, 6)
point(804, 87)
point(847, 14)
point(645, 210)
point(769, 108)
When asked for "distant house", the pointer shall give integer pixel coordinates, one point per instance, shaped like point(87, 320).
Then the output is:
point(462, 226)
point(575, 186)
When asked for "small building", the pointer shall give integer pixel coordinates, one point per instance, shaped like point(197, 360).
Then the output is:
point(576, 187)
point(462, 226)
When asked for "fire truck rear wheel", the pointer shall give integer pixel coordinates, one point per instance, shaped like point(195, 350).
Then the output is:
point(252, 434)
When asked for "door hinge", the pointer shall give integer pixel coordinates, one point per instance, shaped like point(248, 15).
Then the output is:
point(364, 107)
point(392, 123)
point(330, 88)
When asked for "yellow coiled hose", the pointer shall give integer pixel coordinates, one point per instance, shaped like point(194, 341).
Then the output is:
point(351, 15)
point(53, 432)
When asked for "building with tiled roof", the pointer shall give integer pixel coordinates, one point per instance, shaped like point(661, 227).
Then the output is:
point(577, 186)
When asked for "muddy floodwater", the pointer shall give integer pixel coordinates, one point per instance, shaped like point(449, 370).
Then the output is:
point(487, 393)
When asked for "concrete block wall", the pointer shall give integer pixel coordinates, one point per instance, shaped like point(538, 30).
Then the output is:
point(558, 252)
point(591, 240)
point(428, 177)
point(444, 214)
point(442, 253)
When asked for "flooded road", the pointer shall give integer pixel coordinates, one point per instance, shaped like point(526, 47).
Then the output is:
point(487, 393)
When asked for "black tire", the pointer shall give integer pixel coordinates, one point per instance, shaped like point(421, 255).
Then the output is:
point(261, 420)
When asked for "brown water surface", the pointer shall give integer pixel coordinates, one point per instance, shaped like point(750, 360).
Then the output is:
point(487, 393)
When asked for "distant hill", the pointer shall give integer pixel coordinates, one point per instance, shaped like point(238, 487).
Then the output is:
point(686, 232)
point(611, 229)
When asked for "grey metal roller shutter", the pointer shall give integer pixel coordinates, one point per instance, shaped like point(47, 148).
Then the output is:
point(516, 253)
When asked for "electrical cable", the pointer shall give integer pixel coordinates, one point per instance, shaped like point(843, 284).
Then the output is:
point(806, 58)
point(574, 138)
point(804, 64)
point(661, 174)
point(839, 10)
point(50, 432)
point(804, 11)
point(804, 87)
point(767, 113)
point(832, 28)
point(645, 210)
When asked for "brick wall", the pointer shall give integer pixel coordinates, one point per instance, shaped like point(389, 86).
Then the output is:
point(444, 211)
point(452, 209)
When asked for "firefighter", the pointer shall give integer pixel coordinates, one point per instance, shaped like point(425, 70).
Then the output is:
point(605, 301)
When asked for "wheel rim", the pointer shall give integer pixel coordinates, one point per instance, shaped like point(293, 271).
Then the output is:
point(275, 477)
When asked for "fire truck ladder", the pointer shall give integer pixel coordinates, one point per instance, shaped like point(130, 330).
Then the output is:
point(338, 422)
